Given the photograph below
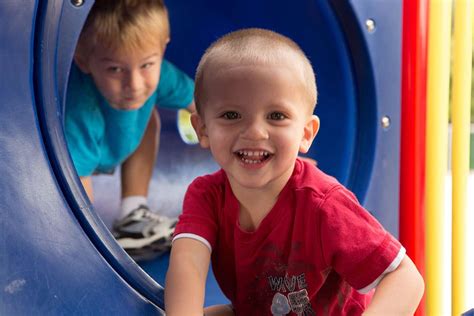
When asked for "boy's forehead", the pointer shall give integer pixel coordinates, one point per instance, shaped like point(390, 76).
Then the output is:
point(259, 57)
point(129, 43)
point(114, 53)
point(216, 68)
point(220, 67)
point(236, 81)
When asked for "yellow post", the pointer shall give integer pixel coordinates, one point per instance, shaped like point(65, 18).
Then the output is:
point(436, 150)
point(460, 107)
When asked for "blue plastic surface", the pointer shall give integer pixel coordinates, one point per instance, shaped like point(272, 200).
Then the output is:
point(50, 264)
point(56, 255)
point(469, 312)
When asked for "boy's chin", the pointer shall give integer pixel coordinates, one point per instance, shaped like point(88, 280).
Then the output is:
point(127, 106)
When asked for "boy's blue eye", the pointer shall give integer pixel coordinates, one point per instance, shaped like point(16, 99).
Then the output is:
point(114, 69)
point(231, 115)
point(147, 65)
point(277, 116)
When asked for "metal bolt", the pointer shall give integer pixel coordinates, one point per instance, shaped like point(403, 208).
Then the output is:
point(370, 25)
point(77, 3)
point(386, 122)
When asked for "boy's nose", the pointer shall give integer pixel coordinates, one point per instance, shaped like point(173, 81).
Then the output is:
point(134, 81)
point(254, 130)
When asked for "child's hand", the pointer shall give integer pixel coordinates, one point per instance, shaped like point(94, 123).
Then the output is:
point(219, 310)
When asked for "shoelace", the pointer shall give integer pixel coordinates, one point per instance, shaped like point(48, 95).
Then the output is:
point(150, 228)
point(143, 212)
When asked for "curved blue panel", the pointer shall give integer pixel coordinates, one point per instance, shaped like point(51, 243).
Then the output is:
point(366, 109)
point(49, 266)
point(384, 49)
point(66, 25)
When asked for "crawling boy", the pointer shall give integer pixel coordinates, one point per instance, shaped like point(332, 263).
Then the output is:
point(117, 79)
point(284, 238)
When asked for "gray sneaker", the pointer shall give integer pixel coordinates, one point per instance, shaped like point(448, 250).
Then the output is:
point(143, 234)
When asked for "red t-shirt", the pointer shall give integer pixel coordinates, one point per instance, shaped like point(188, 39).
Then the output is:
point(308, 256)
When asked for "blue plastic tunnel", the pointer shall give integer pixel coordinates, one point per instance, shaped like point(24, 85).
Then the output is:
point(56, 254)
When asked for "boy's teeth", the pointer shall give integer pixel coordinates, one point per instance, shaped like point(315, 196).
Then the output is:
point(253, 156)
point(253, 153)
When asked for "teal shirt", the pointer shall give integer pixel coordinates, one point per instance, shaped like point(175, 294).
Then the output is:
point(100, 137)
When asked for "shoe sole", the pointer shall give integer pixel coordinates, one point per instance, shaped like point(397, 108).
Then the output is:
point(133, 243)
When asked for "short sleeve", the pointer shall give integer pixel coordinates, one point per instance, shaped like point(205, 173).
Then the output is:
point(199, 215)
point(82, 122)
point(175, 89)
point(354, 243)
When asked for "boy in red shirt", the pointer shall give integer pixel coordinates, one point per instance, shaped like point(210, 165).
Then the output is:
point(284, 238)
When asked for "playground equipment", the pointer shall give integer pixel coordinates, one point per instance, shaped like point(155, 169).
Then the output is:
point(56, 254)
point(461, 98)
point(425, 99)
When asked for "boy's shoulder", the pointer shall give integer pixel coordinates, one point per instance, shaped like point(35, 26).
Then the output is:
point(210, 182)
point(309, 177)
point(314, 186)
point(82, 92)
point(212, 188)
point(78, 79)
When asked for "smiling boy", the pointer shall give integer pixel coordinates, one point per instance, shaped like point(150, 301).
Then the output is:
point(284, 238)
point(118, 77)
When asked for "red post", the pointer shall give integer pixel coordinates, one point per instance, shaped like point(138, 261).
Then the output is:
point(413, 121)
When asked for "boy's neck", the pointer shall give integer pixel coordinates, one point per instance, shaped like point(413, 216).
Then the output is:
point(254, 208)
point(255, 204)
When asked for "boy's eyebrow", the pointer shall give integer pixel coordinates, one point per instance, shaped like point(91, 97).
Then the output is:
point(107, 59)
point(152, 55)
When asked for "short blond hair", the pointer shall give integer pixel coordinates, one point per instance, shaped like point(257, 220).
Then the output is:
point(128, 25)
point(255, 46)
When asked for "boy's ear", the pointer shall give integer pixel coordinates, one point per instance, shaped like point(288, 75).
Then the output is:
point(82, 63)
point(164, 46)
point(311, 128)
point(200, 128)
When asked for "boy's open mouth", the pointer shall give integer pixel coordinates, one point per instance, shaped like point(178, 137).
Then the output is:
point(253, 156)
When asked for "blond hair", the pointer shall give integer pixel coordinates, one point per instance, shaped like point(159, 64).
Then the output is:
point(127, 25)
point(255, 46)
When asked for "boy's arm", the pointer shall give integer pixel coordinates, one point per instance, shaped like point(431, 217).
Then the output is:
point(186, 277)
point(87, 184)
point(399, 292)
point(219, 310)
